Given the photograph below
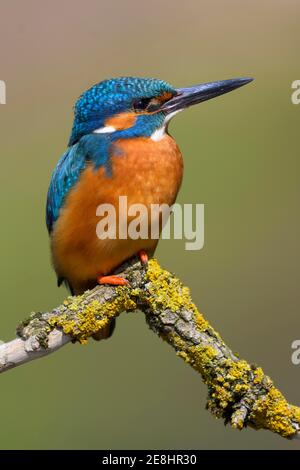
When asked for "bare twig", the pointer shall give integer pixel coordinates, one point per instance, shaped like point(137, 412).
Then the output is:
point(238, 392)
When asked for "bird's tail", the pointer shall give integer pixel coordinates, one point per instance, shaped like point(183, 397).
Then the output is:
point(105, 332)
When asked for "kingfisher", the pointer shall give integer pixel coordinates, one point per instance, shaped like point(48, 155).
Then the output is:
point(119, 146)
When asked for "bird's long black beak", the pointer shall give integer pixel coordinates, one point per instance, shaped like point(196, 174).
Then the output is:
point(186, 97)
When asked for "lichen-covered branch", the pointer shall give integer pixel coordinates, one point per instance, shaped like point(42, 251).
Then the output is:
point(238, 392)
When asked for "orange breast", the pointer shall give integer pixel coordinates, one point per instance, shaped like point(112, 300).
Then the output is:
point(145, 171)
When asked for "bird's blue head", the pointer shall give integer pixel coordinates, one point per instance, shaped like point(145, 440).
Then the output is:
point(133, 107)
point(126, 103)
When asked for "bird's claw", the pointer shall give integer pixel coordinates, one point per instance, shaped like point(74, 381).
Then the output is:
point(113, 280)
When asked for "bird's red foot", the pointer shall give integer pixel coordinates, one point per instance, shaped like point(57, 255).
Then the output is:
point(143, 257)
point(112, 280)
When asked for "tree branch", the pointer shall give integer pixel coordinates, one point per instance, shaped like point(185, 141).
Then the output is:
point(238, 392)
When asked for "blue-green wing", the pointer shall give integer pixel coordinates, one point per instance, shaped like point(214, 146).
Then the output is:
point(90, 148)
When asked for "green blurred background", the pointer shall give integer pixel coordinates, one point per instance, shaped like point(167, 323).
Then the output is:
point(241, 155)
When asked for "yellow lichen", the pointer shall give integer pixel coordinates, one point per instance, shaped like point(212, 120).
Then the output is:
point(184, 356)
point(238, 370)
point(222, 396)
point(167, 292)
point(238, 420)
point(241, 388)
point(273, 412)
point(92, 317)
point(225, 382)
point(200, 321)
point(201, 359)
point(258, 375)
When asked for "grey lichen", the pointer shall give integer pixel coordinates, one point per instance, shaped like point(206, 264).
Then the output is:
point(35, 326)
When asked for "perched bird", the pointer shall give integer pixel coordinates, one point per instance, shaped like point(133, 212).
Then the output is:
point(119, 146)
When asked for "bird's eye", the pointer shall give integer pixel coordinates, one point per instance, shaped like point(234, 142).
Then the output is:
point(151, 105)
point(141, 104)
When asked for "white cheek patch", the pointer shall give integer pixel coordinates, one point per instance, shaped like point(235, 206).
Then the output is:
point(104, 130)
point(160, 133)
point(156, 136)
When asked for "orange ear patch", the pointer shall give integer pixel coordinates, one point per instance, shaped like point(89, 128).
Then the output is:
point(161, 99)
point(155, 103)
point(164, 97)
point(121, 121)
